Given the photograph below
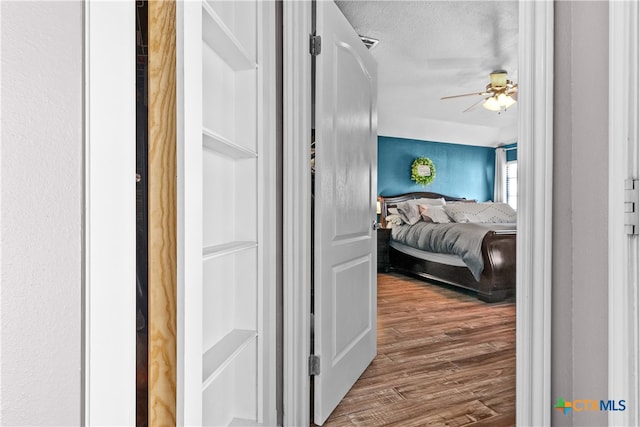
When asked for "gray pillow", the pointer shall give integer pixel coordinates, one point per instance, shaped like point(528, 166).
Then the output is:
point(481, 212)
point(409, 212)
point(434, 214)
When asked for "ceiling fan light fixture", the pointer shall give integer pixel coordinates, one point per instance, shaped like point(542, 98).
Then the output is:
point(492, 104)
point(498, 102)
point(506, 101)
point(500, 93)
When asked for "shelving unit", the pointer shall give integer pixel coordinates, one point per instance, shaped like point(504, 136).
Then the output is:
point(231, 211)
point(223, 353)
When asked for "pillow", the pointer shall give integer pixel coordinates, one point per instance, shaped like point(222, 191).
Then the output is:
point(481, 212)
point(393, 220)
point(429, 202)
point(453, 202)
point(409, 212)
point(435, 214)
point(392, 211)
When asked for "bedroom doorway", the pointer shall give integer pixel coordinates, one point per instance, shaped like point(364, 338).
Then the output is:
point(496, 282)
point(534, 141)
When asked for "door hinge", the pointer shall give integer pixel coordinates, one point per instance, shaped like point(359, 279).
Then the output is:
point(315, 45)
point(314, 365)
point(631, 211)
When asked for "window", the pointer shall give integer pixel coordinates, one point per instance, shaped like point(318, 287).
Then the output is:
point(512, 183)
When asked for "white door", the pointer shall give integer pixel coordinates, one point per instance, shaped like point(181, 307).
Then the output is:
point(345, 199)
point(226, 188)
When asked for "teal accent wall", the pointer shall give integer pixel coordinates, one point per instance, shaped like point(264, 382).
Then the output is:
point(461, 170)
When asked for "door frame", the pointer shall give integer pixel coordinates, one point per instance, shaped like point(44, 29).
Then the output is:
point(624, 84)
point(109, 299)
point(535, 146)
point(296, 96)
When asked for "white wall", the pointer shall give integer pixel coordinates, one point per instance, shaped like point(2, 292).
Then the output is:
point(41, 213)
point(580, 264)
point(562, 293)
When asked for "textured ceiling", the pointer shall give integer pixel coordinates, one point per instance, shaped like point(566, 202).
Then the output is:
point(431, 49)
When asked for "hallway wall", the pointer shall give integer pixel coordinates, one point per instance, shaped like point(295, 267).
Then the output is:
point(41, 195)
point(580, 194)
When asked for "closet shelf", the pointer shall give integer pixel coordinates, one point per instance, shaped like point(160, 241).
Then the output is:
point(226, 249)
point(222, 145)
point(220, 38)
point(223, 352)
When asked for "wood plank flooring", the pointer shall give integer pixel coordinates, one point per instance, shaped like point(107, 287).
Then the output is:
point(444, 359)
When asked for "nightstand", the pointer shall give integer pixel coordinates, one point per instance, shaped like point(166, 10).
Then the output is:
point(384, 262)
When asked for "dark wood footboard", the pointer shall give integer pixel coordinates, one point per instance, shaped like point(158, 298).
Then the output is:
point(498, 279)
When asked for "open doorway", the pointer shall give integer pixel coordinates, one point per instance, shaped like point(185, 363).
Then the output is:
point(532, 299)
point(426, 52)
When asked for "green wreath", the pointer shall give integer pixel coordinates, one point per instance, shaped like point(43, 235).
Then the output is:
point(423, 179)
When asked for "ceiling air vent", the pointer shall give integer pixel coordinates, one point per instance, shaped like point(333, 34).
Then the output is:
point(369, 42)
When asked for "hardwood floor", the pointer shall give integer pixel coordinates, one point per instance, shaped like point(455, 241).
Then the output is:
point(444, 359)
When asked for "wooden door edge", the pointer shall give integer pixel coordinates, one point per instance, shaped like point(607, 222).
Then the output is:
point(162, 213)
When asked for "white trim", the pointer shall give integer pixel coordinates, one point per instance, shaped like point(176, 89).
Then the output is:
point(623, 251)
point(296, 210)
point(535, 166)
point(533, 372)
point(110, 229)
point(267, 188)
point(189, 205)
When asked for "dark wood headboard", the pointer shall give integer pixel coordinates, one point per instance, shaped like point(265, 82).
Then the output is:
point(387, 202)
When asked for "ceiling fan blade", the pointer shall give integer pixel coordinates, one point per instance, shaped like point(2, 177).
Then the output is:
point(474, 106)
point(466, 94)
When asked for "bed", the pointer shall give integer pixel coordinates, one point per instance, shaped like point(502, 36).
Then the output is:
point(490, 272)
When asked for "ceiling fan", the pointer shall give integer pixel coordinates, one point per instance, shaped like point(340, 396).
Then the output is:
point(500, 94)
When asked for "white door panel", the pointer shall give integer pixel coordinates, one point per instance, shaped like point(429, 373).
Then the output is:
point(345, 196)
